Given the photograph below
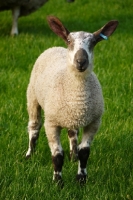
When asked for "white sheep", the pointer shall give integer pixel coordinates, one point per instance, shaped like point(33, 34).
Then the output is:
point(20, 8)
point(63, 84)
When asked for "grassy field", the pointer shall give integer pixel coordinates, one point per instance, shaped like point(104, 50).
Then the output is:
point(110, 167)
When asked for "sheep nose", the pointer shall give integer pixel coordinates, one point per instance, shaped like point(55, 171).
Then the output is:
point(81, 62)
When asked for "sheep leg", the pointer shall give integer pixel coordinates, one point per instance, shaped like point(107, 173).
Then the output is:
point(73, 139)
point(15, 15)
point(84, 150)
point(53, 135)
point(34, 126)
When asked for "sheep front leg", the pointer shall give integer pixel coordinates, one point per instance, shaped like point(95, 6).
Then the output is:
point(53, 135)
point(73, 139)
point(84, 150)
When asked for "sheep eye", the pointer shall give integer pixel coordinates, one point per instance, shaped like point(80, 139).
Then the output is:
point(68, 41)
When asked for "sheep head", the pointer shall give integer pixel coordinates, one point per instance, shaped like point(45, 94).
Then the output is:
point(81, 44)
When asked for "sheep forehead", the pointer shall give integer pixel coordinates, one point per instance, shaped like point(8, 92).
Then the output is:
point(81, 36)
point(80, 40)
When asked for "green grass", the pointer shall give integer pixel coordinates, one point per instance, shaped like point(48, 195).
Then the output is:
point(110, 167)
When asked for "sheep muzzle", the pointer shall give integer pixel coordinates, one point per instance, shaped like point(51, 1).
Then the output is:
point(81, 60)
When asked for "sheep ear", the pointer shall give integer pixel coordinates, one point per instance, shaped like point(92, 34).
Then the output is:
point(57, 27)
point(105, 31)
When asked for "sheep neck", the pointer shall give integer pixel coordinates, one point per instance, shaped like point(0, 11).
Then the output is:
point(76, 85)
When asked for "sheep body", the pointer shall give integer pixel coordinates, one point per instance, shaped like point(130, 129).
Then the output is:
point(78, 102)
point(26, 6)
point(64, 85)
point(20, 8)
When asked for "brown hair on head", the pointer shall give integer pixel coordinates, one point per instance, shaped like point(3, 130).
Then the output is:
point(57, 27)
point(107, 30)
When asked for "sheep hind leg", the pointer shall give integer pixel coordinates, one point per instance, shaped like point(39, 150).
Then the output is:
point(15, 15)
point(34, 126)
point(84, 150)
point(73, 139)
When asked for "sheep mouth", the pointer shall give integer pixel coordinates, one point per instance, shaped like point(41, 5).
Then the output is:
point(81, 70)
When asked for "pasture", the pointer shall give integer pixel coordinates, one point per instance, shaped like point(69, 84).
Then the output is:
point(110, 166)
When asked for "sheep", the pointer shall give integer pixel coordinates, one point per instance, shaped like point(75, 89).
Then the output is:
point(63, 84)
point(20, 8)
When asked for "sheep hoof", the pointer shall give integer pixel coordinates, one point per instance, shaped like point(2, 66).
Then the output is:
point(58, 180)
point(81, 178)
point(14, 33)
point(28, 154)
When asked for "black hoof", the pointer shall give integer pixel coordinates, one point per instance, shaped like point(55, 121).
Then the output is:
point(58, 180)
point(81, 179)
point(27, 157)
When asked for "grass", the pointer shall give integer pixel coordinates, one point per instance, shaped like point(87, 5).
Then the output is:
point(110, 167)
